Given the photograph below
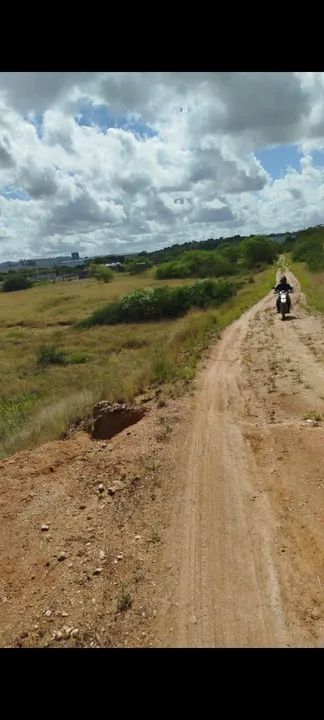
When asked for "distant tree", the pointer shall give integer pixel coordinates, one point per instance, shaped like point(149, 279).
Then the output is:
point(258, 250)
point(100, 260)
point(309, 248)
point(101, 273)
point(16, 282)
point(139, 265)
point(197, 263)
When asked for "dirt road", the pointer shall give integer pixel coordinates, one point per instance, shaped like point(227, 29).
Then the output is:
point(246, 540)
point(201, 526)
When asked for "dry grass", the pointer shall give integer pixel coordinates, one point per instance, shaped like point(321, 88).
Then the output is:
point(55, 304)
point(313, 285)
point(39, 403)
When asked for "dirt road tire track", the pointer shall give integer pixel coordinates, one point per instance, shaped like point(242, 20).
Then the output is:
point(228, 587)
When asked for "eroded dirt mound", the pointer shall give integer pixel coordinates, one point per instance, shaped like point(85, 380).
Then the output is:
point(107, 419)
point(111, 418)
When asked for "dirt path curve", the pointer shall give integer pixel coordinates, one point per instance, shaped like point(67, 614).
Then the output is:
point(237, 578)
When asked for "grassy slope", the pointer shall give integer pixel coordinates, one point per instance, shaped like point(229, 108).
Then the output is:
point(38, 404)
point(312, 283)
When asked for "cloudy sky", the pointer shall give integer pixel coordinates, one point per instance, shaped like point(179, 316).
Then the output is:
point(123, 162)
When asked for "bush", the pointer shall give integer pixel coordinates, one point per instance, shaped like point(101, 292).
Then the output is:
point(16, 282)
point(50, 355)
point(209, 292)
point(136, 267)
point(102, 273)
point(258, 250)
point(197, 263)
point(163, 302)
point(173, 270)
point(310, 249)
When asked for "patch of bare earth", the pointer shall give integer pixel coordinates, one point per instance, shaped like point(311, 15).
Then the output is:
point(246, 535)
point(199, 526)
point(81, 522)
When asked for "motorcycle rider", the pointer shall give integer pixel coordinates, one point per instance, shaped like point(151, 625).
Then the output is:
point(284, 286)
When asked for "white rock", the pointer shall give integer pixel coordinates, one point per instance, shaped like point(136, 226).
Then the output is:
point(67, 630)
point(315, 613)
point(44, 527)
point(102, 555)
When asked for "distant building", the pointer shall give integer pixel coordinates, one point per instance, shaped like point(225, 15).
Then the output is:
point(117, 266)
point(45, 263)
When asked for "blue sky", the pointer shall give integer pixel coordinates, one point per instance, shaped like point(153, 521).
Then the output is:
point(73, 179)
point(318, 157)
point(104, 117)
point(14, 193)
point(277, 160)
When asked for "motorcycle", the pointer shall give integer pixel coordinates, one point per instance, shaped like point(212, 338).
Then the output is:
point(283, 303)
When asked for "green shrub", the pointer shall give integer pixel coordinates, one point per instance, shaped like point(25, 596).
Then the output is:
point(16, 282)
point(197, 263)
point(136, 267)
point(257, 251)
point(50, 355)
point(162, 302)
point(310, 249)
point(209, 292)
point(101, 273)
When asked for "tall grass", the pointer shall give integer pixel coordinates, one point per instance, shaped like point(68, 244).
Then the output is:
point(312, 284)
point(48, 422)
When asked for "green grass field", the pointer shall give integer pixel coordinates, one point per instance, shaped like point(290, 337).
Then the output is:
point(39, 402)
point(313, 285)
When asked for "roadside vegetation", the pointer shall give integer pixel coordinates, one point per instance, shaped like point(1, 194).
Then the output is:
point(53, 373)
point(306, 260)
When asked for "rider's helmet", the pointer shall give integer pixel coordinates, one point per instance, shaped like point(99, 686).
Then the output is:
point(283, 279)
